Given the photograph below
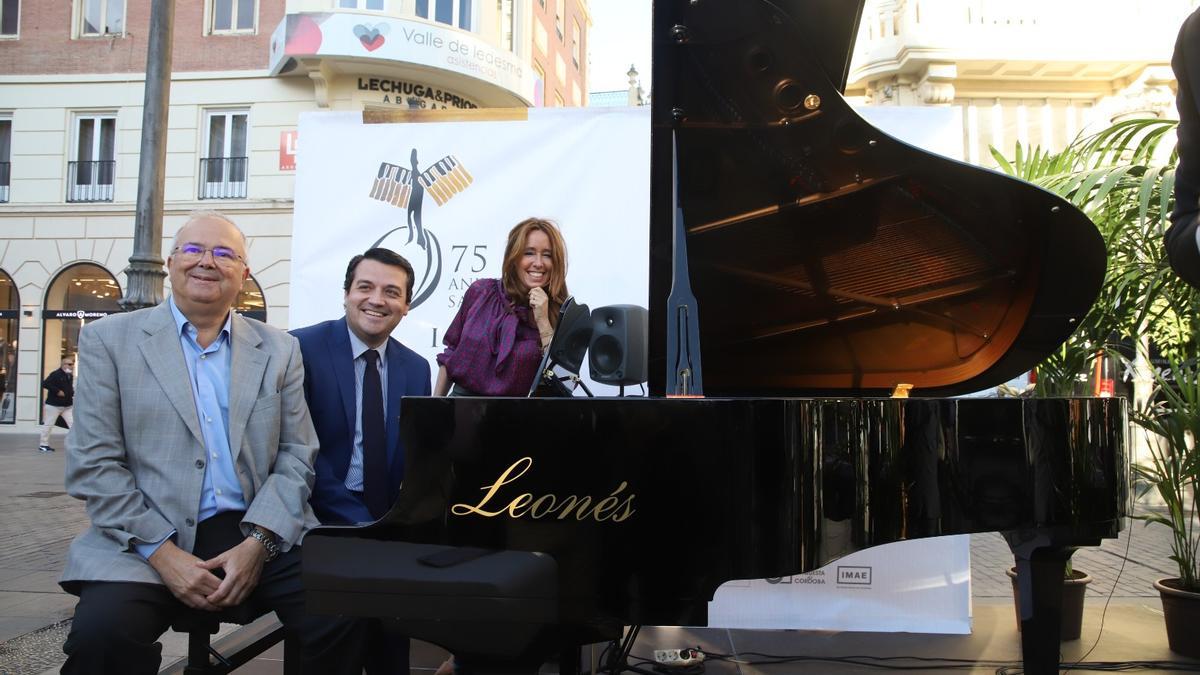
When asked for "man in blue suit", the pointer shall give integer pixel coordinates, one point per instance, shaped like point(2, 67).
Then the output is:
point(355, 374)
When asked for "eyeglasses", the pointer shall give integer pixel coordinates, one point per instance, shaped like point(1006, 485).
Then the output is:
point(222, 255)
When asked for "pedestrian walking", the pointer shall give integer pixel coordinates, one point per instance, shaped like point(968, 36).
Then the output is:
point(60, 395)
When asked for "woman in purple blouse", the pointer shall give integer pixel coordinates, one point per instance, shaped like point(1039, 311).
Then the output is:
point(495, 343)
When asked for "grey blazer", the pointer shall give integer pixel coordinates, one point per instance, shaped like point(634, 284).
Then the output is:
point(136, 455)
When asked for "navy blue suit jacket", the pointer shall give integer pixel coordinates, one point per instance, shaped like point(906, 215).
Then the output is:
point(329, 389)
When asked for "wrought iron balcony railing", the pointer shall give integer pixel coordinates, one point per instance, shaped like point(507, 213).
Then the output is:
point(91, 181)
point(223, 178)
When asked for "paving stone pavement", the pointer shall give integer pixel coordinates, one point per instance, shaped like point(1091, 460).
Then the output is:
point(38, 520)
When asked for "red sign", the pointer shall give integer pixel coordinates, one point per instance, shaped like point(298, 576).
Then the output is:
point(287, 150)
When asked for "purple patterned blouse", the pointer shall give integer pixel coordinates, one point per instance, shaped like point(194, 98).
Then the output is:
point(492, 346)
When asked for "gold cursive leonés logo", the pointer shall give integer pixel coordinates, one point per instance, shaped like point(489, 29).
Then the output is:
point(616, 507)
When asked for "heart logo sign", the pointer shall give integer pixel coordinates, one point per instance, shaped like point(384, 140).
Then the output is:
point(371, 37)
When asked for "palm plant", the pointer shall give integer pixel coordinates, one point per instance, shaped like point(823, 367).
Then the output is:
point(1173, 469)
point(1117, 178)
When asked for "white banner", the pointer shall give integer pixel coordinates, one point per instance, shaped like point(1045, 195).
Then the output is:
point(586, 169)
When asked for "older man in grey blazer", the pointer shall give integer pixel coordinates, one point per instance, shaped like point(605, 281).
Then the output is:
point(193, 449)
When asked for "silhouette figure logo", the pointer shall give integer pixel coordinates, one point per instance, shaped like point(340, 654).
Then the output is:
point(405, 188)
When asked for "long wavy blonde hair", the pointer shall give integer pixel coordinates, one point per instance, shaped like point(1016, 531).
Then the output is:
point(556, 285)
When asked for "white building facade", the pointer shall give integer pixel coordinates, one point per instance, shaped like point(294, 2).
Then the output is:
point(1026, 71)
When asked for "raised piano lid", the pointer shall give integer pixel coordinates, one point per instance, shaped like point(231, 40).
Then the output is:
point(828, 258)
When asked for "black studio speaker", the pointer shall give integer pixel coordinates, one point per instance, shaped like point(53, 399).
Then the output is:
point(617, 354)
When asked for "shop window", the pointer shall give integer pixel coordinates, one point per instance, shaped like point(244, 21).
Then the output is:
point(101, 17)
point(10, 11)
point(250, 301)
point(232, 16)
point(10, 316)
point(5, 156)
point(224, 162)
point(93, 165)
point(80, 293)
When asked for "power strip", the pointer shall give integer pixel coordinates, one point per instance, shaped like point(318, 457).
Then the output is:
point(678, 657)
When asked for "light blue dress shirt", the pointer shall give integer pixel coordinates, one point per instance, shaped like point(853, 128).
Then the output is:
point(209, 369)
point(354, 473)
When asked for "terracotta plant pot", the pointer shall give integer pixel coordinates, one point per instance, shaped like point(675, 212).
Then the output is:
point(1074, 590)
point(1181, 612)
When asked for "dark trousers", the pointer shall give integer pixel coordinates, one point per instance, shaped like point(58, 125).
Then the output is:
point(117, 624)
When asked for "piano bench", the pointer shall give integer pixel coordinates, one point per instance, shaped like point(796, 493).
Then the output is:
point(234, 650)
point(496, 603)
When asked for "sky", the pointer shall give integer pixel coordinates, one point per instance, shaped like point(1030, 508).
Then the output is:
point(619, 37)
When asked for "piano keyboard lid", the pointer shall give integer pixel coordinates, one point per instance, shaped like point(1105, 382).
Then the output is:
point(826, 257)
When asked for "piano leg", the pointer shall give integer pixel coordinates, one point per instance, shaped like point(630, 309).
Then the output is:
point(1040, 570)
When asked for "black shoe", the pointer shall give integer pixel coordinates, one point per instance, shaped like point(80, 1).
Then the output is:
point(45, 448)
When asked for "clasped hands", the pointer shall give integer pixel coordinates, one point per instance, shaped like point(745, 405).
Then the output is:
point(194, 583)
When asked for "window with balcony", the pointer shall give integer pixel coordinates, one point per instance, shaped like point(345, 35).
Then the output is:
point(10, 11)
point(101, 17)
point(224, 162)
point(373, 5)
point(91, 172)
point(449, 12)
point(558, 22)
point(5, 156)
point(232, 16)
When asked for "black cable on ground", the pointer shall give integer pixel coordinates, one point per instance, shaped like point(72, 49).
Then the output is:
point(1111, 592)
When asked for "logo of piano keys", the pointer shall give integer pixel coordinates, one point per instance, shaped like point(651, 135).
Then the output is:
point(445, 179)
point(392, 185)
point(853, 576)
point(405, 188)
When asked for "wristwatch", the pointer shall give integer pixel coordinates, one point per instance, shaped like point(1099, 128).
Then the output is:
point(267, 540)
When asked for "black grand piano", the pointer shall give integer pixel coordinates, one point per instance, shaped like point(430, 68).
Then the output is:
point(804, 268)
